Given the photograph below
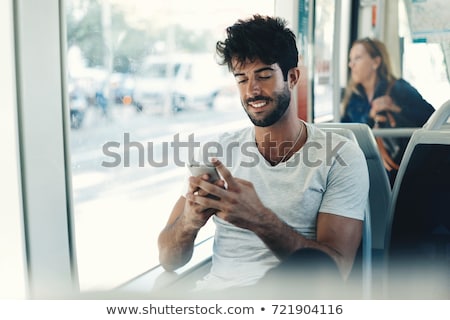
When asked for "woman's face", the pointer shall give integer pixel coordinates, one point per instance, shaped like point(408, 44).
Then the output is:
point(363, 67)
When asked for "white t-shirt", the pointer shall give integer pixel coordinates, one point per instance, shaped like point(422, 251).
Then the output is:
point(328, 174)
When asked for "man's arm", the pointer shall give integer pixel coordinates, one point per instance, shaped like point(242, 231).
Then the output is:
point(337, 236)
point(176, 240)
point(239, 204)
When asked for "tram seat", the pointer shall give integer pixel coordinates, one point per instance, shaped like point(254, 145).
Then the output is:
point(363, 263)
point(439, 119)
point(418, 233)
point(380, 189)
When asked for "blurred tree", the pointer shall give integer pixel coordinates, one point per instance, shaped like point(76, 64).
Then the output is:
point(200, 41)
point(129, 44)
point(84, 30)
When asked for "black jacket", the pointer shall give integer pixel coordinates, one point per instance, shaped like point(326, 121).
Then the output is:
point(415, 111)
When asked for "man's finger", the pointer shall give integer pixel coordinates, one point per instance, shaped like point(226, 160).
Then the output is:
point(226, 174)
point(204, 202)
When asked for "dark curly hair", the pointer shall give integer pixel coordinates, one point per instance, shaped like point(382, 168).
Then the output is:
point(259, 37)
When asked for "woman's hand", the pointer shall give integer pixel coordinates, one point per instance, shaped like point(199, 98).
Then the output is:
point(383, 104)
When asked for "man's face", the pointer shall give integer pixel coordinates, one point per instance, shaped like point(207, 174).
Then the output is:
point(264, 94)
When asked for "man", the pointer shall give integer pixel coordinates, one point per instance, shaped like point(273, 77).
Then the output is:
point(283, 193)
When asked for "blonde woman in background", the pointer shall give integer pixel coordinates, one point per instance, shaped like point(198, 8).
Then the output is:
point(376, 97)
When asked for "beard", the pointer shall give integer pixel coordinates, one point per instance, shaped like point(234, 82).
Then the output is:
point(281, 99)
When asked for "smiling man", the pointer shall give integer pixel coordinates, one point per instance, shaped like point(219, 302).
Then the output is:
point(279, 207)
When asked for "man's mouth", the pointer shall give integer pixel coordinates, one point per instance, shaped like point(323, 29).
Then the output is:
point(258, 102)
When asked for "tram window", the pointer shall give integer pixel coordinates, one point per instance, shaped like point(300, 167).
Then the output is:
point(430, 75)
point(120, 200)
point(323, 57)
point(426, 49)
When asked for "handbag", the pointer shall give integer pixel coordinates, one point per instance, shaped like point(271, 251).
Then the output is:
point(388, 162)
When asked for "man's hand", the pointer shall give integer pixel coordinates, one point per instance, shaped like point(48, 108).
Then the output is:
point(238, 203)
point(196, 213)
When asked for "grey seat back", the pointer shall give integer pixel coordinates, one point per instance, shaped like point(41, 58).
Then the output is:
point(366, 245)
point(438, 120)
point(418, 231)
point(380, 190)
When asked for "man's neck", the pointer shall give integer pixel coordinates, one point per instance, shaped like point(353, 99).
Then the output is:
point(280, 141)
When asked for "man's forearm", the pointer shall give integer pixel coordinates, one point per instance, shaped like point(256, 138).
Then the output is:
point(283, 240)
point(279, 236)
point(176, 244)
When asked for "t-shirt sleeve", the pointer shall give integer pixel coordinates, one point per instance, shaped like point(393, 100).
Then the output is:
point(347, 184)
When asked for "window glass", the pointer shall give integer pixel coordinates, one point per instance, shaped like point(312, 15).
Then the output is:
point(323, 60)
point(430, 76)
point(141, 74)
point(423, 27)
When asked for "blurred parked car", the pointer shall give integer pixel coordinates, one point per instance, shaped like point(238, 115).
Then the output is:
point(180, 82)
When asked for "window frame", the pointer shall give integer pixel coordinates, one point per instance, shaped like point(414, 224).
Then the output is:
point(43, 146)
point(12, 244)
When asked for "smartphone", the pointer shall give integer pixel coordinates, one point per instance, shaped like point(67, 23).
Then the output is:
point(201, 169)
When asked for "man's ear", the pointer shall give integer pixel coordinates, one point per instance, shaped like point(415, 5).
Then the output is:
point(293, 77)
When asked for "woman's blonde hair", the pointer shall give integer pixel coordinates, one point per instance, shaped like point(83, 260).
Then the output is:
point(375, 48)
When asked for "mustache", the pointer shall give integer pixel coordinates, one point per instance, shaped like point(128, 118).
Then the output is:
point(258, 98)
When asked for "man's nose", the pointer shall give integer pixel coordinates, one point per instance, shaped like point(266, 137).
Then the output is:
point(253, 87)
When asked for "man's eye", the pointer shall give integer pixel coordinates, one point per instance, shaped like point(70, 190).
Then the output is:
point(241, 80)
point(265, 75)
